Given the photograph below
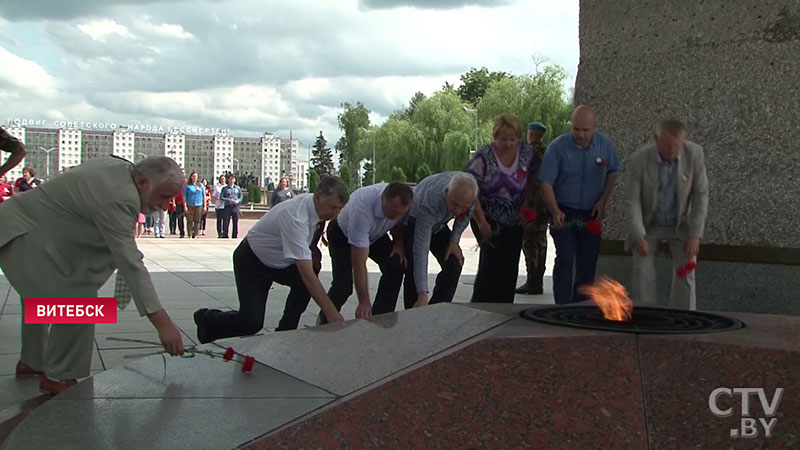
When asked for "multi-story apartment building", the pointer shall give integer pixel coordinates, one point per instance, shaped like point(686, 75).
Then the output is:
point(19, 133)
point(271, 167)
point(69, 148)
point(97, 144)
point(175, 147)
point(124, 140)
point(200, 157)
point(289, 160)
point(267, 158)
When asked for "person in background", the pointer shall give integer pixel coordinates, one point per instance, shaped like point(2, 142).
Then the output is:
point(219, 205)
point(27, 182)
point(535, 217)
point(282, 193)
point(194, 196)
point(10, 144)
point(206, 204)
point(502, 169)
point(231, 196)
point(6, 190)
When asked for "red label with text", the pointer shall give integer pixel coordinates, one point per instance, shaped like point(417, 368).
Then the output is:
point(70, 310)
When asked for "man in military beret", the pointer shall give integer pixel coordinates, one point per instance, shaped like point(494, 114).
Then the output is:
point(534, 238)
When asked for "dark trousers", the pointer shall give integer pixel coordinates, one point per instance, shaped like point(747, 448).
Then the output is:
point(576, 249)
point(220, 213)
point(446, 281)
point(203, 220)
point(230, 213)
point(342, 268)
point(171, 222)
point(253, 281)
point(498, 264)
point(177, 219)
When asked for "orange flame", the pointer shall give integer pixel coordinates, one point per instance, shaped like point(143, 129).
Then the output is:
point(611, 297)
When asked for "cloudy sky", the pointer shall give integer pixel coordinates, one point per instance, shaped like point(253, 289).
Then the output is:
point(255, 65)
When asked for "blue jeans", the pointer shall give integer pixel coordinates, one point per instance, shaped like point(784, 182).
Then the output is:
point(576, 249)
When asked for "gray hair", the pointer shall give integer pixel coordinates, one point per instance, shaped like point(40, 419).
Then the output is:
point(462, 181)
point(159, 169)
point(331, 185)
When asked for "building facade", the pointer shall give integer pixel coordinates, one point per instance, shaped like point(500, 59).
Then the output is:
point(265, 159)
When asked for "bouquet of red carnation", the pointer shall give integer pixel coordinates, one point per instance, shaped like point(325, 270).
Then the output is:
point(684, 270)
point(594, 227)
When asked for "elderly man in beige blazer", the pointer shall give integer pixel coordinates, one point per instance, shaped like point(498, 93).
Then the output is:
point(667, 200)
point(65, 239)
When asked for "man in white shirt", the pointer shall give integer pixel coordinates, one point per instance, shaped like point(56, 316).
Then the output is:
point(219, 205)
point(277, 249)
point(360, 232)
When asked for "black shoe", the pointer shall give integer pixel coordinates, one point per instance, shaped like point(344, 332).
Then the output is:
point(200, 321)
point(533, 290)
point(522, 289)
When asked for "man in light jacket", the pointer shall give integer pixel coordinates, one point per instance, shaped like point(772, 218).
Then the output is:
point(65, 238)
point(666, 200)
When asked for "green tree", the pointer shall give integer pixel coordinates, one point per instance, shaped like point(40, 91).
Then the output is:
point(476, 82)
point(368, 169)
point(344, 174)
point(423, 171)
point(321, 156)
point(351, 120)
point(313, 180)
point(540, 97)
point(398, 175)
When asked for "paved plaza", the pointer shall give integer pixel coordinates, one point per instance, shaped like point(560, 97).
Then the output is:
point(195, 273)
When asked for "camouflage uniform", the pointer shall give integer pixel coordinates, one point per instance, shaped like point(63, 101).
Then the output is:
point(534, 238)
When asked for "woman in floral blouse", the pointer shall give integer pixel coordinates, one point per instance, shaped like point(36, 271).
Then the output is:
point(503, 170)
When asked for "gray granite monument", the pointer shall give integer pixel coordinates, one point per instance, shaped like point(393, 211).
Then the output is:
point(730, 71)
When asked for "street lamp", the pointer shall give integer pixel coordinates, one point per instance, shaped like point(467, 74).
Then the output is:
point(475, 113)
point(47, 168)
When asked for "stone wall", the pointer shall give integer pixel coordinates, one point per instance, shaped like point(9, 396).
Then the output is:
point(731, 72)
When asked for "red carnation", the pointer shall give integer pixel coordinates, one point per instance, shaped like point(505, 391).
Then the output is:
point(594, 227)
point(247, 366)
point(520, 174)
point(683, 271)
point(228, 354)
point(529, 214)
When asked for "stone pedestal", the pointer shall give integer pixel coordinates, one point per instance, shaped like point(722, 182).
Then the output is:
point(729, 71)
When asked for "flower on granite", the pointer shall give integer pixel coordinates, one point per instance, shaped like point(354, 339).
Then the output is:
point(247, 366)
point(528, 214)
point(600, 162)
point(684, 271)
point(228, 354)
point(594, 227)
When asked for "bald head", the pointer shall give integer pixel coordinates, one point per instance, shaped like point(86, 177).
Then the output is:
point(584, 121)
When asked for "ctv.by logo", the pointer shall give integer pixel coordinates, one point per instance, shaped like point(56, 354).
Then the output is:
point(749, 425)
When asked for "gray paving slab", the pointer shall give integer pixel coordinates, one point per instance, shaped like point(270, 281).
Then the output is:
point(200, 376)
point(104, 343)
point(14, 391)
point(342, 358)
point(175, 424)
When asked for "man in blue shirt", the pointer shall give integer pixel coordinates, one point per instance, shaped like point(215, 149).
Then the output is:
point(231, 196)
point(578, 174)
